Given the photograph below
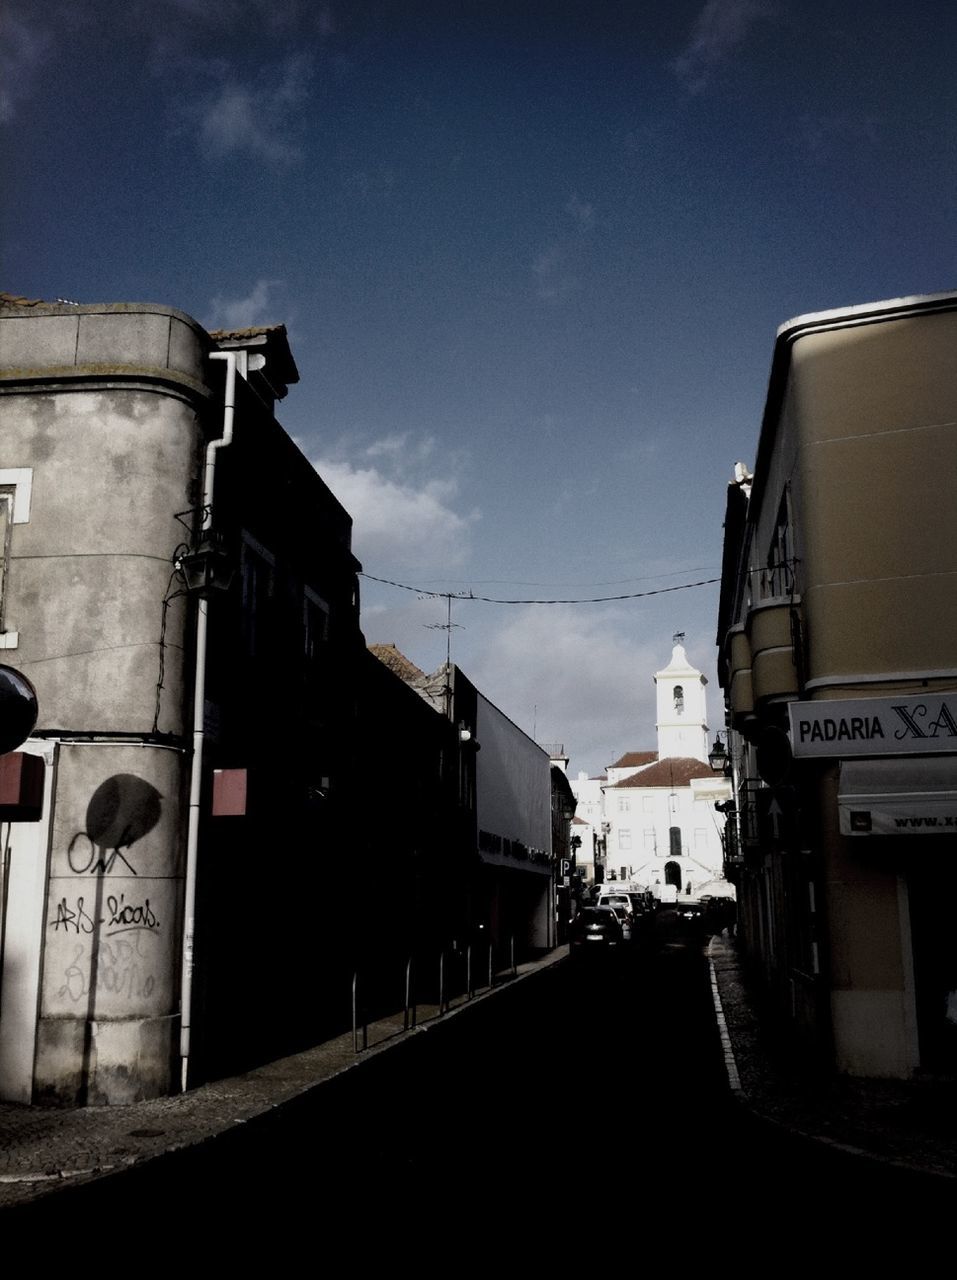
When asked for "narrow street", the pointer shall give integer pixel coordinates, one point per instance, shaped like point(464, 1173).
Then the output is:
point(589, 1099)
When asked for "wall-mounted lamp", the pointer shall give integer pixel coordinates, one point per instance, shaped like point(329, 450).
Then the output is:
point(208, 568)
point(718, 756)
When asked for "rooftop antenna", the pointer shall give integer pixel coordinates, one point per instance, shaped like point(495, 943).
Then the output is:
point(447, 626)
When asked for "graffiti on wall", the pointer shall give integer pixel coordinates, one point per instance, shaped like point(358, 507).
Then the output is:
point(121, 970)
point(121, 811)
point(73, 916)
point(109, 946)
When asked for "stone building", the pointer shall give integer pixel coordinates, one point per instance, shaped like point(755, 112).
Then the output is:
point(179, 587)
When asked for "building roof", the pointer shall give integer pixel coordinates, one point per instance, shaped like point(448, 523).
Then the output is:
point(14, 300)
point(634, 760)
point(397, 662)
point(252, 331)
point(673, 771)
point(271, 343)
point(679, 664)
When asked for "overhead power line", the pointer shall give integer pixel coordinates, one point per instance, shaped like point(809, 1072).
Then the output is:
point(469, 595)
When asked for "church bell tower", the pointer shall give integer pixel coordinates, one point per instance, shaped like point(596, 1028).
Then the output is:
point(682, 708)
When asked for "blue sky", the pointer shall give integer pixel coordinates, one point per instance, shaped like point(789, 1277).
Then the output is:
point(532, 257)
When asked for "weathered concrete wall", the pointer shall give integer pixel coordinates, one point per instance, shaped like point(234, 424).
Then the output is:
point(112, 923)
point(89, 570)
point(100, 410)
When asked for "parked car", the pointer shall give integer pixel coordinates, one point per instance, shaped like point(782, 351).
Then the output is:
point(620, 903)
point(615, 900)
point(642, 903)
point(689, 911)
point(595, 929)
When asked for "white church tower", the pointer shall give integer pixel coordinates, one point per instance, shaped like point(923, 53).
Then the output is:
point(682, 710)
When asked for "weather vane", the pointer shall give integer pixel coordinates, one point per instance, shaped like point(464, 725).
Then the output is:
point(678, 637)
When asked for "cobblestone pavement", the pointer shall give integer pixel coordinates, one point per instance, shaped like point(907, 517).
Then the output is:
point(910, 1123)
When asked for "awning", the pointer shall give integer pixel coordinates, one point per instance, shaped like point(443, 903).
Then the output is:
point(907, 796)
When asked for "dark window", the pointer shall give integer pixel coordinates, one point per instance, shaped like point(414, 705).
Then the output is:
point(258, 570)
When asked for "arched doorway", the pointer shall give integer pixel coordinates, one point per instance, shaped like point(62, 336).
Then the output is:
point(673, 874)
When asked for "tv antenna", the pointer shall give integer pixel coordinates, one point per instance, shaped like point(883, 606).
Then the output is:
point(448, 626)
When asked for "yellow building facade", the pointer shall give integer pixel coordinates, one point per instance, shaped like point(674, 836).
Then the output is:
point(838, 658)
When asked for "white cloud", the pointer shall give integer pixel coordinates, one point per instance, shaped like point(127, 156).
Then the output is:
point(398, 521)
point(257, 121)
point(721, 28)
point(555, 281)
point(574, 675)
point(243, 313)
point(554, 267)
point(581, 213)
point(24, 45)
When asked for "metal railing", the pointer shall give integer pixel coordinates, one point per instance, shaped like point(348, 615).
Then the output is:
point(455, 971)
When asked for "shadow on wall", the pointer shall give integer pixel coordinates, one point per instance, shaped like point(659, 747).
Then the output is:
point(122, 810)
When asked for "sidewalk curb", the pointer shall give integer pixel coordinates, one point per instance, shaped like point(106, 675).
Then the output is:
point(744, 1099)
point(246, 1096)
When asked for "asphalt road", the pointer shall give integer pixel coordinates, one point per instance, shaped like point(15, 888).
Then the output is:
point(589, 1098)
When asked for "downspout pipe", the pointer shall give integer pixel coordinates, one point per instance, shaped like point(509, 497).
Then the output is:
point(199, 733)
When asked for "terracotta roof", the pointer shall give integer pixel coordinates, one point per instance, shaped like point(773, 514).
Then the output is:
point(14, 300)
point(673, 771)
point(634, 760)
point(397, 662)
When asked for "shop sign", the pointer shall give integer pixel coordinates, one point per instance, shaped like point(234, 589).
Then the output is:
point(874, 726)
point(907, 816)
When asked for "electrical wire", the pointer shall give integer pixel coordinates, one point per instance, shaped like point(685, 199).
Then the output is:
point(469, 595)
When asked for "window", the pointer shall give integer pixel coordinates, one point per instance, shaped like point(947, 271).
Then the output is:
point(777, 578)
point(624, 838)
point(623, 805)
point(679, 699)
point(258, 569)
point(16, 489)
point(674, 841)
point(650, 842)
point(315, 624)
point(6, 522)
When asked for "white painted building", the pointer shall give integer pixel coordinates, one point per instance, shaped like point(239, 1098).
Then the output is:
point(654, 810)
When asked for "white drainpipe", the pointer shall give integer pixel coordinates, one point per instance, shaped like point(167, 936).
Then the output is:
point(199, 700)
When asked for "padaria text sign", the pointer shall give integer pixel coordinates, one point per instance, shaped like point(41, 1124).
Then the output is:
point(875, 726)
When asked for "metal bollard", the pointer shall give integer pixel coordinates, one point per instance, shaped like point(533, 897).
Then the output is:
point(355, 1018)
point(468, 972)
point(511, 953)
point(490, 964)
point(410, 1008)
point(441, 982)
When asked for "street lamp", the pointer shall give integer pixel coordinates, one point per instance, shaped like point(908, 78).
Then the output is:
point(718, 756)
point(208, 567)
